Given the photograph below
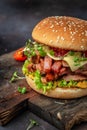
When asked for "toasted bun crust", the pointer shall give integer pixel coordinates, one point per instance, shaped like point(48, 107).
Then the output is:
point(63, 32)
point(63, 93)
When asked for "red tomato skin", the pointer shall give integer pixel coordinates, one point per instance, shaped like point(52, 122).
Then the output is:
point(19, 55)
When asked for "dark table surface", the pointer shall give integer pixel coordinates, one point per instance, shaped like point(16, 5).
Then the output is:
point(17, 19)
point(22, 121)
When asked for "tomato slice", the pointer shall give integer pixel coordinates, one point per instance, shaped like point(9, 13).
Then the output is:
point(19, 55)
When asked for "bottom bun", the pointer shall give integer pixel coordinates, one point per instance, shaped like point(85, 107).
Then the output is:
point(62, 93)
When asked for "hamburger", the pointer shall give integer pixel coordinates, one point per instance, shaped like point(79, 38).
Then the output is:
point(56, 64)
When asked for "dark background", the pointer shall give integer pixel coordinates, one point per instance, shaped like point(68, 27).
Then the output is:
point(18, 17)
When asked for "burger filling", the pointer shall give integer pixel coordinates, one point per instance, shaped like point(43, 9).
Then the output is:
point(53, 67)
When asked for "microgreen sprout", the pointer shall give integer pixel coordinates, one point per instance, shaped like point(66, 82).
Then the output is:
point(51, 52)
point(22, 90)
point(32, 47)
point(71, 53)
point(32, 124)
point(15, 77)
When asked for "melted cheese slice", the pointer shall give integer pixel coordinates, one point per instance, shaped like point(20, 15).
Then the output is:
point(54, 57)
point(70, 60)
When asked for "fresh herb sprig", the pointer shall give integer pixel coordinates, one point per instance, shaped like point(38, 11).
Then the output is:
point(22, 90)
point(77, 57)
point(71, 53)
point(32, 47)
point(41, 51)
point(32, 124)
point(78, 60)
point(15, 77)
point(51, 52)
point(29, 50)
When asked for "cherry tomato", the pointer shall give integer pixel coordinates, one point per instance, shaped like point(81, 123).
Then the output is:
point(19, 55)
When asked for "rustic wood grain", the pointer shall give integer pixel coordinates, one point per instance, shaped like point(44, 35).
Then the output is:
point(61, 113)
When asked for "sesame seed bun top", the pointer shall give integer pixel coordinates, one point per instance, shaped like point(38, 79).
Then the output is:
point(63, 32)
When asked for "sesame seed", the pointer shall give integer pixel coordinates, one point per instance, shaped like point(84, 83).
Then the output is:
point(61, 22)
point(51, 41)
point(58, 37)
point(53, 30)
point(62, 38)
point(79, 26)
point(73, 39)
point(56, 17)
point(56, 31)
point(76, 31)
point(73, 24)
point(44, 21)
point(57, 23)
point(44, 35)
point(71, 32)
point(64, 29)
point(52, 26)
point(82, 47)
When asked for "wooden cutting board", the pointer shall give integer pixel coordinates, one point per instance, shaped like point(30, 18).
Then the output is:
point(61, 113)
